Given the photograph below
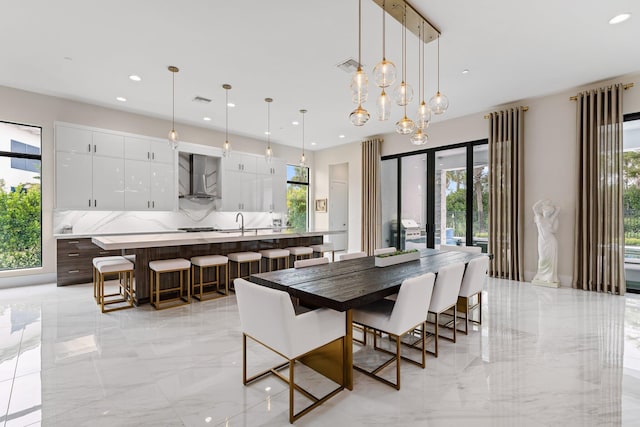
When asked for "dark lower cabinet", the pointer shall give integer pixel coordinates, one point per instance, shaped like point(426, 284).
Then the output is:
point(75, 260)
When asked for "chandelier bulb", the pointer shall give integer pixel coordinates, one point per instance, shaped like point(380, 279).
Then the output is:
point(418, 137)
point(383, 106)
point(405, 126)
point(359, 116)
point(438, 103)
point(403, 94)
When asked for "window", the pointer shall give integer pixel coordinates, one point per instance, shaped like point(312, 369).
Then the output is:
point(631, 199)
point(297, 196)
point(20, 196)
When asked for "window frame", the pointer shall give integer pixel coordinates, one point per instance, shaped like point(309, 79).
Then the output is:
point(299, 183)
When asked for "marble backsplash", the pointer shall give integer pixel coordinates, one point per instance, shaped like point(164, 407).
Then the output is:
point(190, 214)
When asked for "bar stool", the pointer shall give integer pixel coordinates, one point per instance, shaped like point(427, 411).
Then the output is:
point(325, 247)
point(103, 266)
point(204, 262)
point(300, 252)
point(275, 255)
point(179, 265)
point(245, 257)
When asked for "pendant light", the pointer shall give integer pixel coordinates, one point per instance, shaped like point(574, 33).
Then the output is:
point(226, 148)
point(419, 136)
point(303, 161)
point(403, 93)
point(438, 102)
point(268, 154)
point(359, 116)
point(384, 74)
point(405, 125)
point(173, 135)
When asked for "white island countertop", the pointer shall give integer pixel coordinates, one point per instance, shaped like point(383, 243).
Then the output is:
point(136, 241)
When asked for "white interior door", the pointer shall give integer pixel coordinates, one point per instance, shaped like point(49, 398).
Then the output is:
point(339, 214)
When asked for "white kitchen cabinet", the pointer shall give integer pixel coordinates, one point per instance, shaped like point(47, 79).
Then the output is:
point(107, 144)
point(239, 191)
point(85, 181)
point(74, 188)
point(146, 149)
point(272, 186)
point(73, 140)
point(241, 162)
point(149, 186)
point(108, 183)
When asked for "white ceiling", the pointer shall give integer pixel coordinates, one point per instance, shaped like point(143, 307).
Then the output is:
point(289, 49)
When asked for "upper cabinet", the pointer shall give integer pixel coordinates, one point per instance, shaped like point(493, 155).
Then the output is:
point(102, 170)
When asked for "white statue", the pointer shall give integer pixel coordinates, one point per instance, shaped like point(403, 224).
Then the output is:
point(546, 218)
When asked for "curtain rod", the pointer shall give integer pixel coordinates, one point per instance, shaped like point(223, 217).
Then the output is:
point(625, 87)
point(525, 108)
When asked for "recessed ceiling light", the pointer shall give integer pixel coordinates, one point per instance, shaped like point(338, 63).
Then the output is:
point(314, 143)
point(619, 18)
point(266, 132)
point(135, 78)
point(465, 71)
point(295, 123)
point(206, 119)
point(340, 136)
point(231, 105)
point(121, 99)
point(68, 58)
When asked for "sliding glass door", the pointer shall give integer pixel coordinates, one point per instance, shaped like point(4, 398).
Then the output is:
point(439, 196)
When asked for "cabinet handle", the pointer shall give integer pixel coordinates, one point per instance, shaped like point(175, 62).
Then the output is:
point(95, 203)
point(89, 202)
point(73, 271)
point(75, 254)
point(148, 155)
point(95, 148)
point(148, 204)
point(153, 156)
point(89, 147)
point(73, 242)
point(153, 204)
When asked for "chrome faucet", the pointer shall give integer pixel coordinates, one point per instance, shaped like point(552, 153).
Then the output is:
point(239, 214)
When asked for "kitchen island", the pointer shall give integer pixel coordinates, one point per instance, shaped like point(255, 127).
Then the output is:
point(151, 247)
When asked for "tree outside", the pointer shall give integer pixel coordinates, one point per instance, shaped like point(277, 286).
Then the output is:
point(457, 201)
point(20, 227)
point(631, 197)
point(297, 196)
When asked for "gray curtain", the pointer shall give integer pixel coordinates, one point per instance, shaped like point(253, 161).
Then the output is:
point(371, 203)
point(598, 263)
point(506, 193)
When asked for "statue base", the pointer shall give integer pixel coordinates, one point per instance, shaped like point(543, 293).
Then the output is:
point(546, 284)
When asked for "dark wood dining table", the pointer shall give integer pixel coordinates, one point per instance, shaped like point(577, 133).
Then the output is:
point(350, 284)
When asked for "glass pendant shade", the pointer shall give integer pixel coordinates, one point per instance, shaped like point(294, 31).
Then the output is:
point(173, 135)
point(268, 154)
point(418, 137)
point(403, 94)
point(383, 106)
point(359, 116)
point(405, 126)
point(384, 74)
point(438, 103)
point(359, 89)
point(173, 138)
point(226, 149)
point(303, 161)
point(423, 118)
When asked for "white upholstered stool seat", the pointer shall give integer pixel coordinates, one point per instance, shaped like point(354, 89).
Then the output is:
point(204, 262)
point(325, 247)
point(245, 257)
point(177, 265)
point(275, 255)
point(268, 318)
point(299, 252)
point(352, 255)
point(113, 265)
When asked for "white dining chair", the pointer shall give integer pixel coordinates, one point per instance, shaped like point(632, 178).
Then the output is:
point(302, 263)
point(444, 298)
point(472, 249)
point(352, 255)
point(397, 318)
point(472, 283)
point(383, 251)
point(268, 318)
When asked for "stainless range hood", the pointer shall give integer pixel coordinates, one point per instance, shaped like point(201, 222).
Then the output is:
point(198, 176)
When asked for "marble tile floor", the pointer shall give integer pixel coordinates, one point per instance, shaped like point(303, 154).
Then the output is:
point(542, 357)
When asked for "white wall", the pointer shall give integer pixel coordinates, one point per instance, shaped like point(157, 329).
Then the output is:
point(550, 162)
point(30, 108)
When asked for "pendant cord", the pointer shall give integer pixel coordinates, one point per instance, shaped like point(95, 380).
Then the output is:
point(226, 133)
point(424, 68)
point(383, 32)
point(173, 101)
point(359, 33)
point(302, 134)
point(404, 58)
point(438, 63)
